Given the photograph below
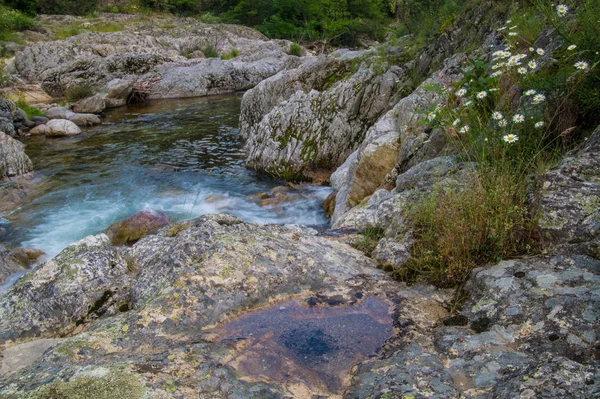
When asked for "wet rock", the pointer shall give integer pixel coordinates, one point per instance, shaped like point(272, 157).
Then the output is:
point(85, 119)
point(569, 201)
point(14, 260)
point(13, 160)
point(61, 128)
point(303, 123)
point(135, 227)
point(40, 120)
point(90, 105)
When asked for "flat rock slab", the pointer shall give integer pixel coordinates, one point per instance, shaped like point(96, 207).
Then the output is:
point(22, 355)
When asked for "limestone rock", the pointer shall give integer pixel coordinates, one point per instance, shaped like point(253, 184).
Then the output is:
point(136, 226)
point(570, 200)
point(90, 105)
point(394, 144)
point(61, 128)
point(13, 160)
point(305, 122)
point(82, 282)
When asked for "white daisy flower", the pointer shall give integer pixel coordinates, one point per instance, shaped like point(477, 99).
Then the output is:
point(540, 51)
point(501, 29)
point(481, 95)
point(502, 123)
point(511, 138)
point(431, 116)
point(538, 98)
point(496, 74)
point(456, 122)
point(512, 34)
point(572, 47)
point(531, 49)
point(539, 124)
point(532, 64)
point(464, 129)
point(522, 70)
point(581, 65)
point(494, 89)
point(461, 92)
point(468, 103)
point(513, 27)
point(521, 56)
point(530, 92)
point(497, 116)
point(562, 10)
point(518, 118)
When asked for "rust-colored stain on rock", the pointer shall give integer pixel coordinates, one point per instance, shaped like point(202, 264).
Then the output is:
point(307, 349)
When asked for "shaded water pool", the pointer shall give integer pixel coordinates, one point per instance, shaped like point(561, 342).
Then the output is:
point(309, 349)
point(181, 157)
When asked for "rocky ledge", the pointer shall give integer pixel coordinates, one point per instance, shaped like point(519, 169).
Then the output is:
point(173, 315)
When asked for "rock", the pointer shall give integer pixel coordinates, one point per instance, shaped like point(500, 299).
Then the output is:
point(13, 160)
point(394, 144)
point(5, 228)
point(59, 113)
point(29, 124)
point(144, 47)
point(8, 109)
point(530, 332)
point(569, 201)
point(303, 123)
point(90, 277)
point(136, 226)
point(12, 261)
point(6, 126)
point(118, 92)
point(215, 269)
point(38, 130)
point(90, 105)
point(61, 128)
point(19, 115)
point(85, 119)
point(387, 209)
point(40, 120)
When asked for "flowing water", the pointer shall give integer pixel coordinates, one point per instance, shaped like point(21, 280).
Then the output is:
point(181, 157)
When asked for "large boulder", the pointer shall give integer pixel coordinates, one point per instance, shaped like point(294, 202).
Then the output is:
point(132, 229)
point(90, 105)
point(569, 201)
point(394, 144)
point(61, 128)
point(84, 281)
point(13, 160)
point(302, 130)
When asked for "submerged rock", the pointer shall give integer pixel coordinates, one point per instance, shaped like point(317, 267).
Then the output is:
point(13, 160)
point(132, 229)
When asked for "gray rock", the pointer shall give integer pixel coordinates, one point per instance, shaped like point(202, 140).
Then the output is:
point(394, 144)
point(8, 108)
point(569, 201)
point(118, 92)
point(13, 160)
point(6, 126)
point(61, 128)
point(90, 105)
point(85, 119)
point(297, 125)
point(137, 226)
point(40, 120)
point(38, 130)
point(59, 113)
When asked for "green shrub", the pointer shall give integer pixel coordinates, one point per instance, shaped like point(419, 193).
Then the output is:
point(80, 91)
point(13, 21)
point(370, 236)
point(513, 115)
point(295, 49)
point(210, 51)
point(29, 110)
point(209, 18)
point(67, 32)
point(232, 54)
point(80, 7)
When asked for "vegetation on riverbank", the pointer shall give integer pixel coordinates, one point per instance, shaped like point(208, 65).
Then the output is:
point(514, 114)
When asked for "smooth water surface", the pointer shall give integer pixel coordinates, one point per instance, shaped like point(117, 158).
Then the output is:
point(181, 157)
